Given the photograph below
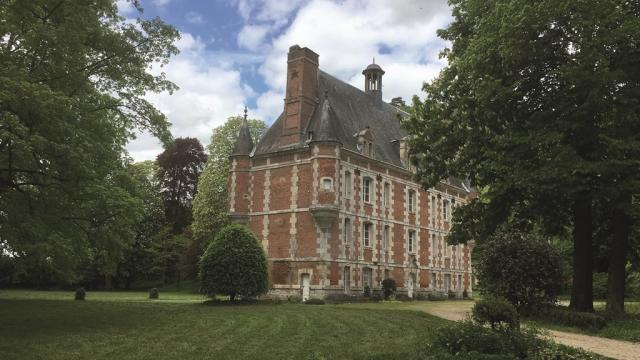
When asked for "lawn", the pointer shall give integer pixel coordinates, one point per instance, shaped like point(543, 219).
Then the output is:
point(118, 325)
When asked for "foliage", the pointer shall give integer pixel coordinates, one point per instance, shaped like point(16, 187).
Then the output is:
point(523, 268)
point(583, 320)
point(179, 167)
point(388, 288)
point(80, 294)
point(526, 110)
point(497, 312)
point(315, 302)
point(154, 293)
point(211, 203)
point(73, 81)
point(234, 264)
point(600, 285)
point(633, 285)
point(367, 291)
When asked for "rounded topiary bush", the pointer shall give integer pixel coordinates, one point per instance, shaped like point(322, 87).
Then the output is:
point(80, 294)
point(497, 312)
point(388, 288)
point(523, 268)
point(234, 264)
point(154, 293)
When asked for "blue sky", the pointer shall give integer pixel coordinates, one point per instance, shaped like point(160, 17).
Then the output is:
point(233, 53)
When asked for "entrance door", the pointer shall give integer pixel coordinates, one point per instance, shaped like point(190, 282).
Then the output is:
point(412, 281)
point(305, 287)
point(347, 279)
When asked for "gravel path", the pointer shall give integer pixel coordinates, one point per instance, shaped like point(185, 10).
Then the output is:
point(617, 349)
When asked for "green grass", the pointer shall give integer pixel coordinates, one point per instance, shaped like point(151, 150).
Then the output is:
point(118, 325)
point(626, 328)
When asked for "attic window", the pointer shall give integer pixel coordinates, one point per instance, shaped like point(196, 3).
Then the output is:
point(310, 135)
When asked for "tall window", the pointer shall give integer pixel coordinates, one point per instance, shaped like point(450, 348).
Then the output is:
point(434, 246)
point(386, 199)
point(412, 201)
point(366, 189)
point(366, 234)
point(347, 231)
point(433, 280)
point(447, 248)
point(348, 184)
point(412, 240)
point(367, 277)
point(433, 208)
point(445, 209)
point(386, 274)
point(385, 237)
point(459, 282)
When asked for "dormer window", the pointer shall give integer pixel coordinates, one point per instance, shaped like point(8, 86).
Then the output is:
point(365, 141)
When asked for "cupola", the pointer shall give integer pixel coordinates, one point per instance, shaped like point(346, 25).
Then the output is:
point(373, 80)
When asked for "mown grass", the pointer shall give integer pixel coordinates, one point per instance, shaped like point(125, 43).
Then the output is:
point(119, 325)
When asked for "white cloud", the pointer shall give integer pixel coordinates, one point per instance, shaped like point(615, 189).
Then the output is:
point(125, 7)
point(252, 36)
point(160, 3)
point(400, 34)
point(211, 89)
point(193, 17)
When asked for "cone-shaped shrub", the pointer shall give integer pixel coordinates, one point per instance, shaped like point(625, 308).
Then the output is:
point(234, 264)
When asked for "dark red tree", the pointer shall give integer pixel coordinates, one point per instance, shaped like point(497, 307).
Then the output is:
point(179, 167)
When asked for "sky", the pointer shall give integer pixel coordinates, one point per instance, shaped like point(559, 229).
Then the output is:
point(233, 54)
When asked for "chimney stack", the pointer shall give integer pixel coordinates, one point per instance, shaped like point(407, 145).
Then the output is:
point(302, 88)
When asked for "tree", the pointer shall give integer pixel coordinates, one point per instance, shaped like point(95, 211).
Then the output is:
point(72, 85)
point(211, 204)
point(179, 167)
point(531, 109)
point(522, 268)
point(234, 264)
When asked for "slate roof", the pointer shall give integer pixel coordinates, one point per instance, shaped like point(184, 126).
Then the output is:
point(343, 112)
point(244, 144)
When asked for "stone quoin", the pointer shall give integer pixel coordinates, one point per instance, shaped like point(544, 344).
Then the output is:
point(329, 192)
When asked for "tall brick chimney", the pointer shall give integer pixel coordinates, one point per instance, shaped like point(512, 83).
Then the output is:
point(300, 100)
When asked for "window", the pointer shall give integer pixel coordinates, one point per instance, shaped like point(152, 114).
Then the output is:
point(412, 240)
point(348, 184)
point(386, 274)
point(447, 248)
point(327, 184)
point(434, 246)
point(347, 231)
point(366, 189)
point(369, 149)
point(367, 277)
point(459, 282)
point(386, 199)
point(385, 237)
point(433, 280)
point(433, 208)
point(447, 282)
point(412, 201)
point(445, 209)
point(366, 234)
point(347, 279)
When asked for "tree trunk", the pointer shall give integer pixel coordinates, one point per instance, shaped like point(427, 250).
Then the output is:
point(582, 289)
point(618, 254)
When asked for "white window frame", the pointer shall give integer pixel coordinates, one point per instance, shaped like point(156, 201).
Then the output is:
point(366, 190)
point(385, 237)
point(386, 195)
point(445, 209)
point(348, 184)
point(434, 246)
point(412, 241)
point(326, 181)
point(411, 197)
point(366, 234)
point(347, 231)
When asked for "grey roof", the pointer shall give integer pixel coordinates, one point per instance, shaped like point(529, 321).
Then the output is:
point(346, 110)
point(373, 66)
point(244, 144)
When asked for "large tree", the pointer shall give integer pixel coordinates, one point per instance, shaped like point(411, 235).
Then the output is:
point(73, 75)
point(211, 204)
point(179, 167)
point(531, 108)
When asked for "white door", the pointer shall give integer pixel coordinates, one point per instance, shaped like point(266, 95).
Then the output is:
point(305, 287)
point(410, 285)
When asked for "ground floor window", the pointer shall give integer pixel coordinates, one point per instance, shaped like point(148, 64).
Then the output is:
point(367, 277)
point(459, 282)
point(434, 282)
point(447, 282)
point(347, 278)
point(386, 274)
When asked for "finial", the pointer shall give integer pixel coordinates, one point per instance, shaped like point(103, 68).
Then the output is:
point(245, 113)
point(374, 59)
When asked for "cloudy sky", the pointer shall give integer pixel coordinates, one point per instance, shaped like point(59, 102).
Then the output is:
point(233, 53)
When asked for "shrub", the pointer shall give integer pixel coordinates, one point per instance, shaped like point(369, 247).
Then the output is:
point(234, 264)
point(583, 320)
point(600, 285)
point(367, 291)
point(314, 302)
point(154, 293)
point(388, 288)
point(523, 268)
point(80, 294)
point(497, 312)
point(633, 285)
